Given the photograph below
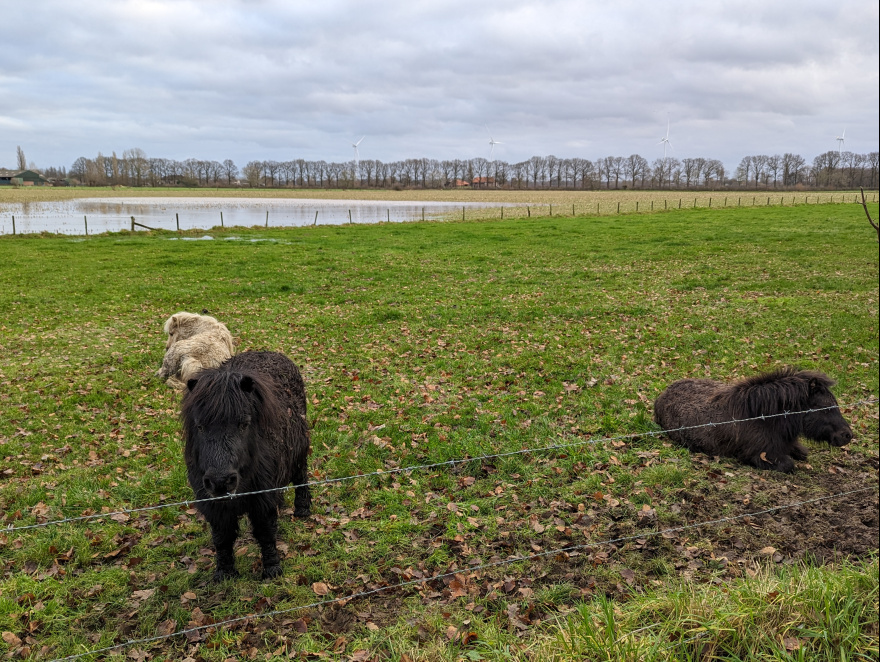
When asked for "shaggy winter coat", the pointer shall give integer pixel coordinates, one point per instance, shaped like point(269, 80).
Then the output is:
point(771, 443)
point(245, 429)
point(195, 342)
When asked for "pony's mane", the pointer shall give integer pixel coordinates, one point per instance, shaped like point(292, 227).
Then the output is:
point(782, 390)
point(217, 395)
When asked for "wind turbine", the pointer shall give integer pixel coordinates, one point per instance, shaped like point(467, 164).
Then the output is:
point(665, 140)
point(357, 157)
point(492, 143)
point(840, 141)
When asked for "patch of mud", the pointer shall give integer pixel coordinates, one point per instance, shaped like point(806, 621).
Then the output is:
point(824, 531)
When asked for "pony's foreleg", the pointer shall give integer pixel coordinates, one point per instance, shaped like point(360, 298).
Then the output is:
point(798, 452)
point(224, 532)
point(264, 519)
point(302, 500)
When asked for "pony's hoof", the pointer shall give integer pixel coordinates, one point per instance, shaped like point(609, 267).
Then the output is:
point(302, 513)
point(224, 573)
point(272, 571)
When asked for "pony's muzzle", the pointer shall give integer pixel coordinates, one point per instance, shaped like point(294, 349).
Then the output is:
point(843, 437)
point(221, 484)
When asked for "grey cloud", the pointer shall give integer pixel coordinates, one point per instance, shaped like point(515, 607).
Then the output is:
point(248, 80)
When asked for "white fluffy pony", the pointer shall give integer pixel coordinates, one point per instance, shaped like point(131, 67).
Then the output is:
point(195, 342)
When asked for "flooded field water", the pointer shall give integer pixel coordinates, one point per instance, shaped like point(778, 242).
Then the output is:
point(114, 214)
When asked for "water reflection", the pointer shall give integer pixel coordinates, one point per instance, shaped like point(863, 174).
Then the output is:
point(114, 214)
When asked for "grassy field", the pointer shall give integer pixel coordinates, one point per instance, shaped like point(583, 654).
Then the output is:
point(422, 343)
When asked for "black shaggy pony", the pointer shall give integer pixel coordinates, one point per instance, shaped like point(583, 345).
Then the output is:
point(245, 430)
point(771, 443)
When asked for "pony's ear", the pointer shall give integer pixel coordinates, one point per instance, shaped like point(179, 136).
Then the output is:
point(191, 383)
point(247, 384)
point(171, 324)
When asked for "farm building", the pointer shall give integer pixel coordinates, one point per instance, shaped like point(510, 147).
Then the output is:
point(22, 178)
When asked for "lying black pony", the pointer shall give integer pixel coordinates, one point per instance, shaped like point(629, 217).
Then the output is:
point(771, 443)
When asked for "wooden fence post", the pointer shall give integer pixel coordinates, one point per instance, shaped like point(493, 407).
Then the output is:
point(316, 218)
point(13, 225)
point(388, 215)
point(86, 221)
point(267, 218)
point(529, 211)
point(177, 220)
point(349, 216)
point(462, 212)
point(423, 214)
point(618, 206)
point(221, 219)
point(132, 223)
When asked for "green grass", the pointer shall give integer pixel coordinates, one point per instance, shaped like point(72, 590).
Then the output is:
point(799, 613)
point(422, 343)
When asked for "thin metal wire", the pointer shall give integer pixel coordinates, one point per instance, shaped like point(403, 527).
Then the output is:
point(418, 467)
point(467, 570)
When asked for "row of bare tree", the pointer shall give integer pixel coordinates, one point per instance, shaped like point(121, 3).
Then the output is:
point(829, 170)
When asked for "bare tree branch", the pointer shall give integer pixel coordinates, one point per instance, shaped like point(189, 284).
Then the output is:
point(868, 214)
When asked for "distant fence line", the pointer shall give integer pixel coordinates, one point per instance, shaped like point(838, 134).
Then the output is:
point(503, 211)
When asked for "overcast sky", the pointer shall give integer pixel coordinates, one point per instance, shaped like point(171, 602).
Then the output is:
point(253, 80)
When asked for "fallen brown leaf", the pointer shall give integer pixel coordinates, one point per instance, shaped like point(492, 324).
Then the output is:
point(467, 638)
point(11, 639)
point(144, 594)
point(166, 627)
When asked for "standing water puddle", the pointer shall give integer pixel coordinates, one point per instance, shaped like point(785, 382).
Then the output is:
point(114, 214)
